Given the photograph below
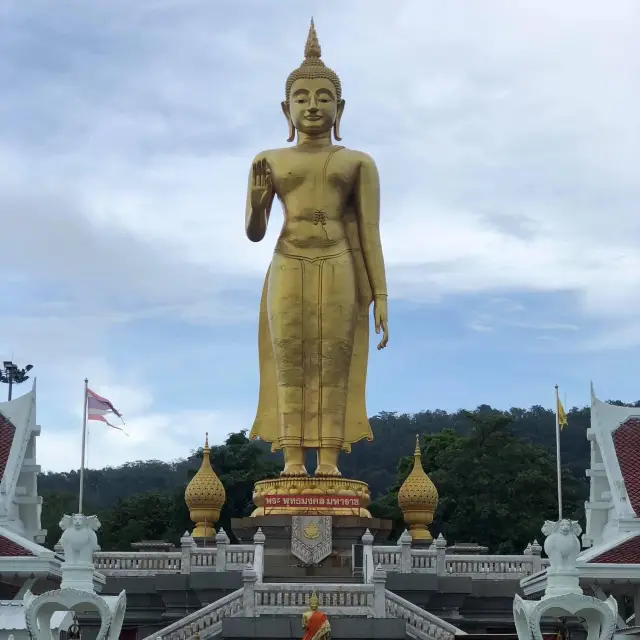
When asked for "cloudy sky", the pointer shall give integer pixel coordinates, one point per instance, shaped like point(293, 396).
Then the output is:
point(507, 135)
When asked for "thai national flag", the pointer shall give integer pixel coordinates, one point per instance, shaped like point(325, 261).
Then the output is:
point(99, 407)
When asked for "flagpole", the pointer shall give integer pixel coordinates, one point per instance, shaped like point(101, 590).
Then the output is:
point(558, 462)
point(84, 445)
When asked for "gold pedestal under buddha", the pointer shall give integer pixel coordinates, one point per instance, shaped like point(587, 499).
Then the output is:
point(311, 496)
point(326, 271)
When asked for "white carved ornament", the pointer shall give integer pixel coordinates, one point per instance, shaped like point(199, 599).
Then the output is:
point(40, 609)
point(79, 541)
point(563, 595)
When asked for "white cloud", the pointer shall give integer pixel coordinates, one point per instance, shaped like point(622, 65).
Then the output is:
point(506, 133)
point(148, 433)
point(150, 436)
point(484, 116)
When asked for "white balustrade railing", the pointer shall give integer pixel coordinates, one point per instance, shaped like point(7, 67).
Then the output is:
point(426, 561)
point(387, 556)
point(334, 599)
point(239, 557)
point(402, 558)
point(494, 567)
point(137, 562)
point(207, 622)
point(420, 623)
point(423, 561)
point(190, 558)
point(203, 559)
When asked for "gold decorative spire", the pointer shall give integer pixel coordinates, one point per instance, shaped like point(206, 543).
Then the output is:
point(312, 49)
point(418, 499)
point(312, 66)
point(205, 496)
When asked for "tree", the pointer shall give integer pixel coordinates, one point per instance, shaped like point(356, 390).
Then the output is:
point(163, 515)
point(144, 516)
point(528, 434)
point(55, 505)
point(495, 489)
point(240, 463)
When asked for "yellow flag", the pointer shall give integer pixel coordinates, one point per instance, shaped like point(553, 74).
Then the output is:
point(562, 416)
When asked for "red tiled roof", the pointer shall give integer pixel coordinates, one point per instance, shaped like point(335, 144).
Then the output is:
point(626, 553)
point(7, 432)
point(626, 440)
point(10, 548)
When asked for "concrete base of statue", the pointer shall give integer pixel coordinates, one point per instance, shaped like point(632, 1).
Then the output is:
point(311, 495)
point(346, 530)
point(280, 560)
point(78, 576)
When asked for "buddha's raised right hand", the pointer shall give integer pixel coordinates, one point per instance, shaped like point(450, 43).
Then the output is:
point(261, 185)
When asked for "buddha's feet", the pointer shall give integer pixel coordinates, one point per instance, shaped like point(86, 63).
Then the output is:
point(327, 470)
point(293, 470)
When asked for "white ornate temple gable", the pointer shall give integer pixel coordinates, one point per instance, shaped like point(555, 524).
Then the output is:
point(610, 513)
point(612, 563)
point(20, 505)
point(563, 597)
point(77, 592)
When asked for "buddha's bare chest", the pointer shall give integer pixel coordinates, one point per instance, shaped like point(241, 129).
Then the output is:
point(303, 173)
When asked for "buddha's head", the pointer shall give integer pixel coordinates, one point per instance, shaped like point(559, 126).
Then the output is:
point(313, 94)
point(313, 601)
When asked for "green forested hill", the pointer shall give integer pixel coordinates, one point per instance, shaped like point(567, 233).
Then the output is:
point(156, 488)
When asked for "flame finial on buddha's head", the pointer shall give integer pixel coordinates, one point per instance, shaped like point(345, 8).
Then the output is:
point(312, 66)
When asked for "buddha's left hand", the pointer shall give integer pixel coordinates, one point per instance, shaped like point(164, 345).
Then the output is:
point(380, 319)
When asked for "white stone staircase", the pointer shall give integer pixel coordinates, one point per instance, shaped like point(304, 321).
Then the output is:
point(207, 622)
point(257, 599)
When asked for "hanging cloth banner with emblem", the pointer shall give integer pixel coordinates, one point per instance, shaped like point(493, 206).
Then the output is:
point(311, 539)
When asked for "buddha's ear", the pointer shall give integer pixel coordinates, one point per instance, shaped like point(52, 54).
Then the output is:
point(287, 115)
point(336, 124)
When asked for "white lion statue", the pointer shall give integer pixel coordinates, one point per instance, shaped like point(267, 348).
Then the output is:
point(562, 544)
point(79, 539)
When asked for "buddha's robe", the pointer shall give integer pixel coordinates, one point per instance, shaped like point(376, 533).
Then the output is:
point(313, 347)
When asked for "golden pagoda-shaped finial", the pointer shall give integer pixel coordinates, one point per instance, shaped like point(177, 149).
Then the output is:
point(418, 499)
point(205, 496)
point(312, 47)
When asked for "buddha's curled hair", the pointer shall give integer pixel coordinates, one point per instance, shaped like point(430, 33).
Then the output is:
point(312, 66)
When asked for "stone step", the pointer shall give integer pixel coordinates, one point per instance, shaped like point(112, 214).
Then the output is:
point(288, 628)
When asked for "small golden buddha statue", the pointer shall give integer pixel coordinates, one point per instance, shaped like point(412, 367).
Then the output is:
point(326, 271)
point(315, 623)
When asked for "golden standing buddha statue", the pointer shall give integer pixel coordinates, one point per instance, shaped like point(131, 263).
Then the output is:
point(326, 270)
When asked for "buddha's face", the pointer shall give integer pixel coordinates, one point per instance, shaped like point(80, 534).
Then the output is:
point(313, 105)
